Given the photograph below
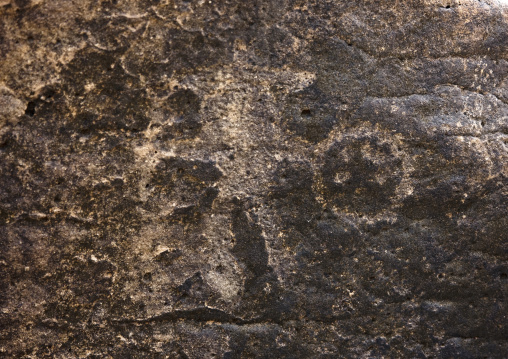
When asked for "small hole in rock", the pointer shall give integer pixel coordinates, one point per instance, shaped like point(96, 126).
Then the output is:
point(306, 112)
point(30, 109)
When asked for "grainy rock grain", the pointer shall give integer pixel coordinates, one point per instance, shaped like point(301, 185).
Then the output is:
point(253, 179)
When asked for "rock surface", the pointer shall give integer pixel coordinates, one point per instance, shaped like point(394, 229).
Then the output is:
point(253, 179)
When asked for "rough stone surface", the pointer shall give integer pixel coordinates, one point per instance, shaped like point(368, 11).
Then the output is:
point(253, 179)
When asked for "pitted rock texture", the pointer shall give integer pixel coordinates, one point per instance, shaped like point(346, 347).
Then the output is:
point(253, 179)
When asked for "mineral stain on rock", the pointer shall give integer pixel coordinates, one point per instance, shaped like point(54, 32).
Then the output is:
point(264, 179)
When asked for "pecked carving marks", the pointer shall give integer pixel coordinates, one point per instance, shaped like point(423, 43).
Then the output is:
point(174, 169)
point(189, 183)
point(250, 245)
point(104, 96)
point(262, 295)
point(367, 146)
point(310, 114)
point(360, 174)
point(182, 112)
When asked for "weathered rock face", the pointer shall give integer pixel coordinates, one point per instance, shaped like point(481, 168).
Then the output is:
point(253, 179)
